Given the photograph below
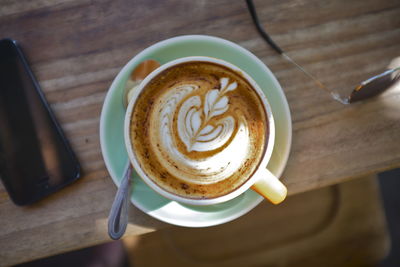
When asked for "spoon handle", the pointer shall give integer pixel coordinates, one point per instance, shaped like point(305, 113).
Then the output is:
point(118, 218)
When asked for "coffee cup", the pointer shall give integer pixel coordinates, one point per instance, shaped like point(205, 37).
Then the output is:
point(200, 131)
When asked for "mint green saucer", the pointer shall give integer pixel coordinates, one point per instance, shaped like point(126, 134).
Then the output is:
point(112, 130)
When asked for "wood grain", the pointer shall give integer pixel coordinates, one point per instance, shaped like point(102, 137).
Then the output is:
point(77, 47)
point(345, 227)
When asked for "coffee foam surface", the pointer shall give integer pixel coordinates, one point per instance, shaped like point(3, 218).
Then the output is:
point(199, 130)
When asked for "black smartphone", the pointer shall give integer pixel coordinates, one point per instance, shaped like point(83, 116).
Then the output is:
point(35, 157)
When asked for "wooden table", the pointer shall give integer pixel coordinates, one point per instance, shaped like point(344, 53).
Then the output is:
point(302, 232)
point(76, 47)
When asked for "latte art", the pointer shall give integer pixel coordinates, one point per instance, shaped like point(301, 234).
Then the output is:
point(198, 130)
point(193, 119)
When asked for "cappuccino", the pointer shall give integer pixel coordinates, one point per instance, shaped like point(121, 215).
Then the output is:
point(199, 130)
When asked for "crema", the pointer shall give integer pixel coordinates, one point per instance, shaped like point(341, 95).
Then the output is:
point(199, 130)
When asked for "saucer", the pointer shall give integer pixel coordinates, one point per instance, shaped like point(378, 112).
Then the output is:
point(112, 130)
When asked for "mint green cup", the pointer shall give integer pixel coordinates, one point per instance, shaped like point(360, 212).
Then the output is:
point(112, 130)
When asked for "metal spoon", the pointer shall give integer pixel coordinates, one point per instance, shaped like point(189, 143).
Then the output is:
point(118, 217)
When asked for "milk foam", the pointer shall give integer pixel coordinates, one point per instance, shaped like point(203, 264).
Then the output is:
point(202, 127)
point(199, 130)
point(193, 119)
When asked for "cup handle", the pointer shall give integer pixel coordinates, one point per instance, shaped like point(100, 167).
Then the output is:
point(269, 186)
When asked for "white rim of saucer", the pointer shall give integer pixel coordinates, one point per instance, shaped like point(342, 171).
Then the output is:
point(151, 49)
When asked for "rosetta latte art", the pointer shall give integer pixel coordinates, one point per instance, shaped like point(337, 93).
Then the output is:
point(202, 127)
point(193, 128)
point(199, 130)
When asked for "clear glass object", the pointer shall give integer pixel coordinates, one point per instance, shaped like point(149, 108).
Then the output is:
point(366, 89)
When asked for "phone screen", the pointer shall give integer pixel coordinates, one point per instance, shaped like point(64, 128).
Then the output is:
point(35, 157)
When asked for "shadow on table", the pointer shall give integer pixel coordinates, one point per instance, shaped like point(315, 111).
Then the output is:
point(111, 254)
point(390, 184)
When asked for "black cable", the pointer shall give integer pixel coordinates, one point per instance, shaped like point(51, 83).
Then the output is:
point(268, 39)
point(260, 29)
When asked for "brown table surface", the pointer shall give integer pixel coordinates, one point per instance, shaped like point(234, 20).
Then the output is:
point(325, 233)
point(76, 47)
